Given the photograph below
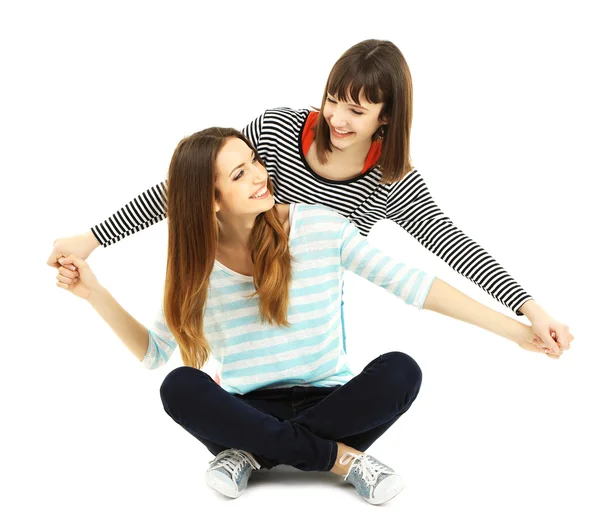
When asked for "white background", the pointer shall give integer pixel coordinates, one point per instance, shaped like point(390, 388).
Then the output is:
point(95, 98)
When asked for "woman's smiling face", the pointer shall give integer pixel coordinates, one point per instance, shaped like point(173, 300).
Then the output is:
point(241, 181)
point(351, 122)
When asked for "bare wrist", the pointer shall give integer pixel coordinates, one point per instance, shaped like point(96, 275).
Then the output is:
point(530, 309)
point(519, 332)
point(92, 241)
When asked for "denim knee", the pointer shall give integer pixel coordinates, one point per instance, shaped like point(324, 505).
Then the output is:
point(176, 385)
point(405, 375)
point(406, 366)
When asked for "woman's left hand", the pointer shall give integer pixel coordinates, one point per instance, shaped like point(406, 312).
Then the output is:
point(549, 333)
point(527, 340)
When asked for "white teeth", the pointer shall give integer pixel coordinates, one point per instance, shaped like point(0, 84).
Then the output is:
point(260, 193)
point(341, 132)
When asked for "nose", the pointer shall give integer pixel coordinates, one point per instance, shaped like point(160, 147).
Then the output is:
point(260, 176)
point(338, 120)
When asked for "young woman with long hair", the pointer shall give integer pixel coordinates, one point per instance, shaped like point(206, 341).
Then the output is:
point(257, 287)
point(353, 156)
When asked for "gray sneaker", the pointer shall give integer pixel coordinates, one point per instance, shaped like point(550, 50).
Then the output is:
point(374, 481)
point(228, 473)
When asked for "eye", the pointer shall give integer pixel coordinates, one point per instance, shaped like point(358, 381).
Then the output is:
point(357, 112)
point(329, 99)
point(242, 171)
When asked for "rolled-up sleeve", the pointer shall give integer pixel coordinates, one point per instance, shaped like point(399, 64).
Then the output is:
point(161, 344)
point(362, 258)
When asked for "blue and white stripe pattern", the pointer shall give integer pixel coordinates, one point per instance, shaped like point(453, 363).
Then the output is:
point(252, 355)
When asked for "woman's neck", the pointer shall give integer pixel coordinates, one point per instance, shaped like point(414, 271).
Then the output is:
point(341, 164)
point(233, 247)
point(356, 154)
point(234, 233)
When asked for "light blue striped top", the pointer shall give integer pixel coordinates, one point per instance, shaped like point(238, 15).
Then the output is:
point(251, 355)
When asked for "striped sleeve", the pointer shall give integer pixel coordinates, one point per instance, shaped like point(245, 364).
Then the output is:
point(150, 207)
point(253, 130)
point(358, 256)
point(161, 344)
point(411, 206)
point(145, 210)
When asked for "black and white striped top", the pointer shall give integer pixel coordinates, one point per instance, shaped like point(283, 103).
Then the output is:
point(277, 135)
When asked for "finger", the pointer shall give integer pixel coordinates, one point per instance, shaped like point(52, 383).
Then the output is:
point(530, 347)
point(64, 280)
point(63, 286)
point(563, 340)
point(552, 356)
point(72, 260)
point(549, 342)
point(67, 273)
point(66, 264)
point(555, 352)
point(53, 259)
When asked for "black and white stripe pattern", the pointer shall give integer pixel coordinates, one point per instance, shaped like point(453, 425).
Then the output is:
point(277, 134)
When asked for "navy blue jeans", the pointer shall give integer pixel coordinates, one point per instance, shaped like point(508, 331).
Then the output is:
point(298, 426)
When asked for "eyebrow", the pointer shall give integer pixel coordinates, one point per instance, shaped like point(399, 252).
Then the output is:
point(358, 106)
point(354, 105)
point(242, 164)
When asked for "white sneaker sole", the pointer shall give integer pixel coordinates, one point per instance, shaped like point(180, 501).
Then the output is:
point(386, 490)
point(222, 486)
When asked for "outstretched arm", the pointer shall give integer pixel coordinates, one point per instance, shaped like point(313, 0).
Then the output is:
point(423, 290)
point(412, 207)
point(143, 211)
point(447, 300)
point(146, 209)
point(83, 283)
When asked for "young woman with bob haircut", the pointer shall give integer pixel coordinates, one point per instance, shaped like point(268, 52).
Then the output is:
point(258, 286)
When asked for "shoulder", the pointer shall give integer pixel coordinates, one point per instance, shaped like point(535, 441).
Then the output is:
point(409, 177)
point(286, 115)
point(410, 183)
point(312, 214)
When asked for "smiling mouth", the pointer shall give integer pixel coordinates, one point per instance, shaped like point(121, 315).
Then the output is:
point(263, 192)
point(339, 133)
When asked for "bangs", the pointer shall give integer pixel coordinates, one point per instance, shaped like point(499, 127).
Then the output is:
point(349, 83)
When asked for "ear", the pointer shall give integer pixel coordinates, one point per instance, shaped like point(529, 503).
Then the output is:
point(217, 207)
point(384, 120)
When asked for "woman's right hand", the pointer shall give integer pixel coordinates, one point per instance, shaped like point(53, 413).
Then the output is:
point(79, 245)
point(80, 281)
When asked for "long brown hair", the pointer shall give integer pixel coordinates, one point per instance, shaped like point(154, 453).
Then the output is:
point(193, 239)
point(377, 70)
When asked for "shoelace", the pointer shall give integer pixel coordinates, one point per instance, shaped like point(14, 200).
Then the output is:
point(232, 461)
point(368, 467)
